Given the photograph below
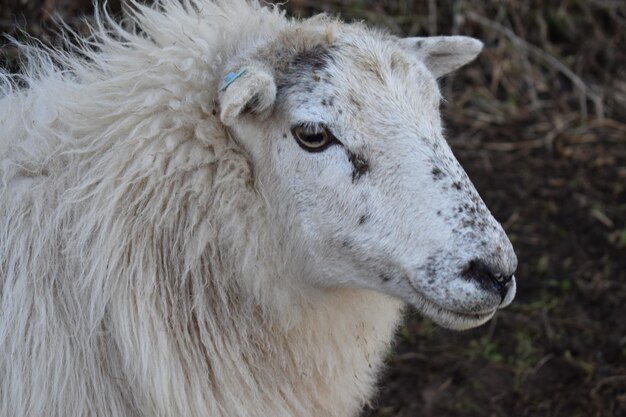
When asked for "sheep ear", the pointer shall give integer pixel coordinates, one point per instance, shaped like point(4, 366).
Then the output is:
point(443, 54)
point(249, 89)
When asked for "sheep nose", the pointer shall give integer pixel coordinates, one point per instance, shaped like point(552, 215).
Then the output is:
point(488, 277)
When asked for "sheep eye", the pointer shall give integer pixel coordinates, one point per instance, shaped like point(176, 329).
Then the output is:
point(313, 137)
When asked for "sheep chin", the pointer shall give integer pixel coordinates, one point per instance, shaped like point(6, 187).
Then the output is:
point(450, 319)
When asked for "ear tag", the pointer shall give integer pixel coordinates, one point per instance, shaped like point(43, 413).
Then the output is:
point(231, 77)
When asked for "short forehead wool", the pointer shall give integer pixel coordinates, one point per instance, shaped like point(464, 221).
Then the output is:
point(319, 64)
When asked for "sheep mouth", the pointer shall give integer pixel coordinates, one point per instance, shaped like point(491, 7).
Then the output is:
point(446, 317)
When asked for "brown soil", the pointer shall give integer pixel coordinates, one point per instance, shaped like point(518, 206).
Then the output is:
point(539, 123)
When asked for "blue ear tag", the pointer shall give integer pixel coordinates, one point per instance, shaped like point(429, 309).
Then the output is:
point(231, 77)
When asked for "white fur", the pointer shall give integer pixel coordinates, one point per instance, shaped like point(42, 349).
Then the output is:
point(158, 261)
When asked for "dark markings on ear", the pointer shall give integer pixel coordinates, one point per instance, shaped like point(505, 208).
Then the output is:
point(440, 55)
point(252, 104)
point(456, 185)
point(360, 166)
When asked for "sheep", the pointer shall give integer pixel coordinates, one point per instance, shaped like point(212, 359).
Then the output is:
point(213, 210)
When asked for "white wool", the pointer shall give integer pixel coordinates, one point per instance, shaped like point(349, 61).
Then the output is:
point(138, 266)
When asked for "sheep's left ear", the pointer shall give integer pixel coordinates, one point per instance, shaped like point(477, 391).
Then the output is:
point(443, 54)
point(248, 89)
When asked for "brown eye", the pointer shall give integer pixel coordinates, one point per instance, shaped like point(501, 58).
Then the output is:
point(313, 137)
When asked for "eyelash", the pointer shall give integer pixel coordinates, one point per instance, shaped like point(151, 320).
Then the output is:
point(313, 137)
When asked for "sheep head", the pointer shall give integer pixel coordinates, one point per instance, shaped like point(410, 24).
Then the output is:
point(342, 128)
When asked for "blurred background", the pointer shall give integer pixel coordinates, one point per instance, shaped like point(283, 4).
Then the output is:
point(539, 123)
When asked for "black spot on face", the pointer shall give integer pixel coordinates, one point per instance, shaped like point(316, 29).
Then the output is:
point(457, 185)
point(330, 101)
point(355, 102)
point(393, 64)
point(303, 68)
point(469, 208)
point(375, 70)
point(360, 166)
point(384, 277)
point(364, 218)
point(468, 223)
point(315, 58)
point(437, 173)
point(429, 269)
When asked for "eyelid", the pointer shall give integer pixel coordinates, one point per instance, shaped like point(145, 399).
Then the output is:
point(312, 127)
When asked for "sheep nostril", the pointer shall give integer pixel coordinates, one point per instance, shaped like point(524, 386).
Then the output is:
point(502, 279)
point(487, 277)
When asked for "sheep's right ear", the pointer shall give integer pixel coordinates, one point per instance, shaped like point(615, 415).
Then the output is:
point(249, 89)
point(443, 54)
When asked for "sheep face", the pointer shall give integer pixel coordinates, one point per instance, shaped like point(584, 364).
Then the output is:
point(346, 143)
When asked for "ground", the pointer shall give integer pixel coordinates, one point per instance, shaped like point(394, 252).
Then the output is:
point(539, 123)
